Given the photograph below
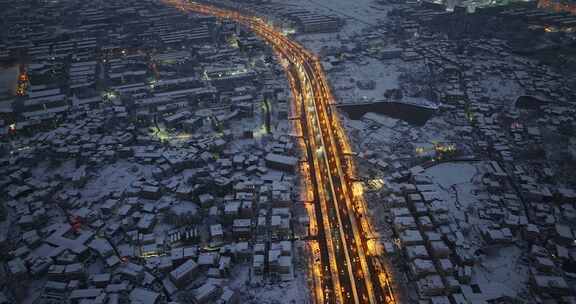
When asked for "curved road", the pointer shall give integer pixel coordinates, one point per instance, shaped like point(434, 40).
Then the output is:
point(349, 270)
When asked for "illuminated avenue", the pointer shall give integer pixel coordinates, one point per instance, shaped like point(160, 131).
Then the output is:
point(346, 266)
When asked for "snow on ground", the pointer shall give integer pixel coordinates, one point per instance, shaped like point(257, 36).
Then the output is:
point(447, 175)
point(114, 177)
point(46, 171)
point(504, 89)
point(503, 266)
point(437, 129)
point(383, 73)
point(295, 291)
point(360, 11)
point(357, 15)
point(365, 12)
point(317, 41)
point(374, 129)
point(380, 133)
point(458, 186)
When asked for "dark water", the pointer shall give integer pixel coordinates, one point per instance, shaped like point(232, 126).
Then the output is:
point(529, 102)
point(413, 115)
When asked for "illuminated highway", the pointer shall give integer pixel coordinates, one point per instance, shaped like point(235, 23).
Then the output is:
point(346, 265)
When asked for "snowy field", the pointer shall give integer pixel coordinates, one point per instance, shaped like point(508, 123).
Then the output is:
point(383, 73)
point(292, 292)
